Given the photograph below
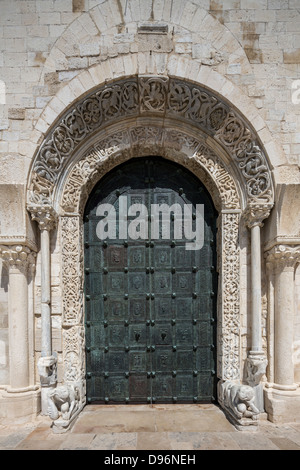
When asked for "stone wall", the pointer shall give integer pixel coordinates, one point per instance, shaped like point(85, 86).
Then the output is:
point(246, 50)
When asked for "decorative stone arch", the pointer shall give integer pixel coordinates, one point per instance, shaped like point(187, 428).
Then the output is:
point(181, 121)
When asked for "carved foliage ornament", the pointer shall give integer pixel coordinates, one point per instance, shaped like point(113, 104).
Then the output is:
point(18, 257)
point(151, 96)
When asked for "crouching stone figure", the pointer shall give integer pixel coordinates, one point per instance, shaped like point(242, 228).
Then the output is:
point(238, 401)
point(63, 405)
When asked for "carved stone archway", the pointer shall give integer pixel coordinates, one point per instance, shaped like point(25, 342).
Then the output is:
point(180, 121)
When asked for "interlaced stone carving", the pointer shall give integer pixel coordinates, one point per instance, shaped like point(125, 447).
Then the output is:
point(72, 276)
point(149, 96)
point(229, 323)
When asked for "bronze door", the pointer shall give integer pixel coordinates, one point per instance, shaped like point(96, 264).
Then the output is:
point(150, 303)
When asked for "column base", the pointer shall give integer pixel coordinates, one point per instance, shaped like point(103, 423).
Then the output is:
point(282, 404)
point(19, 406)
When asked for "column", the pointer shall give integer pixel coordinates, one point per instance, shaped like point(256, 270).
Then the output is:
point(282, 394)
point(285, 259)
point(18, 259)
point(271, 317)
point(256, 362)
point(46, 218)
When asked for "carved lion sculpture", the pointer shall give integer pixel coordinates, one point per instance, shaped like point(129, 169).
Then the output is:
point(63, 401)
point(239, 399)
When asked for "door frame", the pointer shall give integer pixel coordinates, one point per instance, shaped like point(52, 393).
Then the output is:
point(85, 173)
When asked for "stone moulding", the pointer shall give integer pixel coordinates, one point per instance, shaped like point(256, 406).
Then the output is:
point(149, 96)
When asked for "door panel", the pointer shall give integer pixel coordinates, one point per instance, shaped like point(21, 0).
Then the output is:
point(150, 304)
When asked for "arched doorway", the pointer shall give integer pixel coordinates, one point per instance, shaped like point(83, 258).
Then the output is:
point(150, 300)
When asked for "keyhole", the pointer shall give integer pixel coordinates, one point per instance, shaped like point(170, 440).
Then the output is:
point(163, 335)
point(137, 336)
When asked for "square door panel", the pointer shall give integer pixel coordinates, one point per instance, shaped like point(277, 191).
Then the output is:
point(161, 334)
point(162, 283)
point(163, 386)
point(184, 283)
point(137, 283)
point(139, 387)
point(163, 360)
point(184, 334)
point(138, 309)
point(184, 309)
point(117, 335)
point(162, 257)
point(184, 386)
point(138, 335)
point(163, 309)
point(185, 360)
point(116, 361)
point(138, 361)
point(115, 283)
point(117, 388)
point(136, 257)
point(115, 257)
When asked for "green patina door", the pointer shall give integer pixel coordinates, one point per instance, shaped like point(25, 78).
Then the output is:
point(150, 303)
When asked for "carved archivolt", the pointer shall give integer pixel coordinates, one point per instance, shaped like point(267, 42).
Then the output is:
point(138, 141)
point(149, 96)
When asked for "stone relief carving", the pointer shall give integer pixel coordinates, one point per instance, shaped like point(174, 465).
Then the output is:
point(44, 215)
point(255, 369)
point(229, 324)
point(283, 256)
point(238, 401)
point(18, 257)
point(47, 369)
point(72, 277)
point(144, 96)
point(64, 404)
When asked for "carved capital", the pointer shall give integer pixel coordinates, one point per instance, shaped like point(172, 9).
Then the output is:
point(47, 369)
point(18, 257)
point(254, 215)
point(283, 257)
point(45, 216)
point(256, 366)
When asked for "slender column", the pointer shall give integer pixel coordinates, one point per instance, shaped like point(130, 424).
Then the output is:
point(46, 218)
point(256, 363)
point(254, 218)
point(271, 315)
point(46, 293)
point(18, 259)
